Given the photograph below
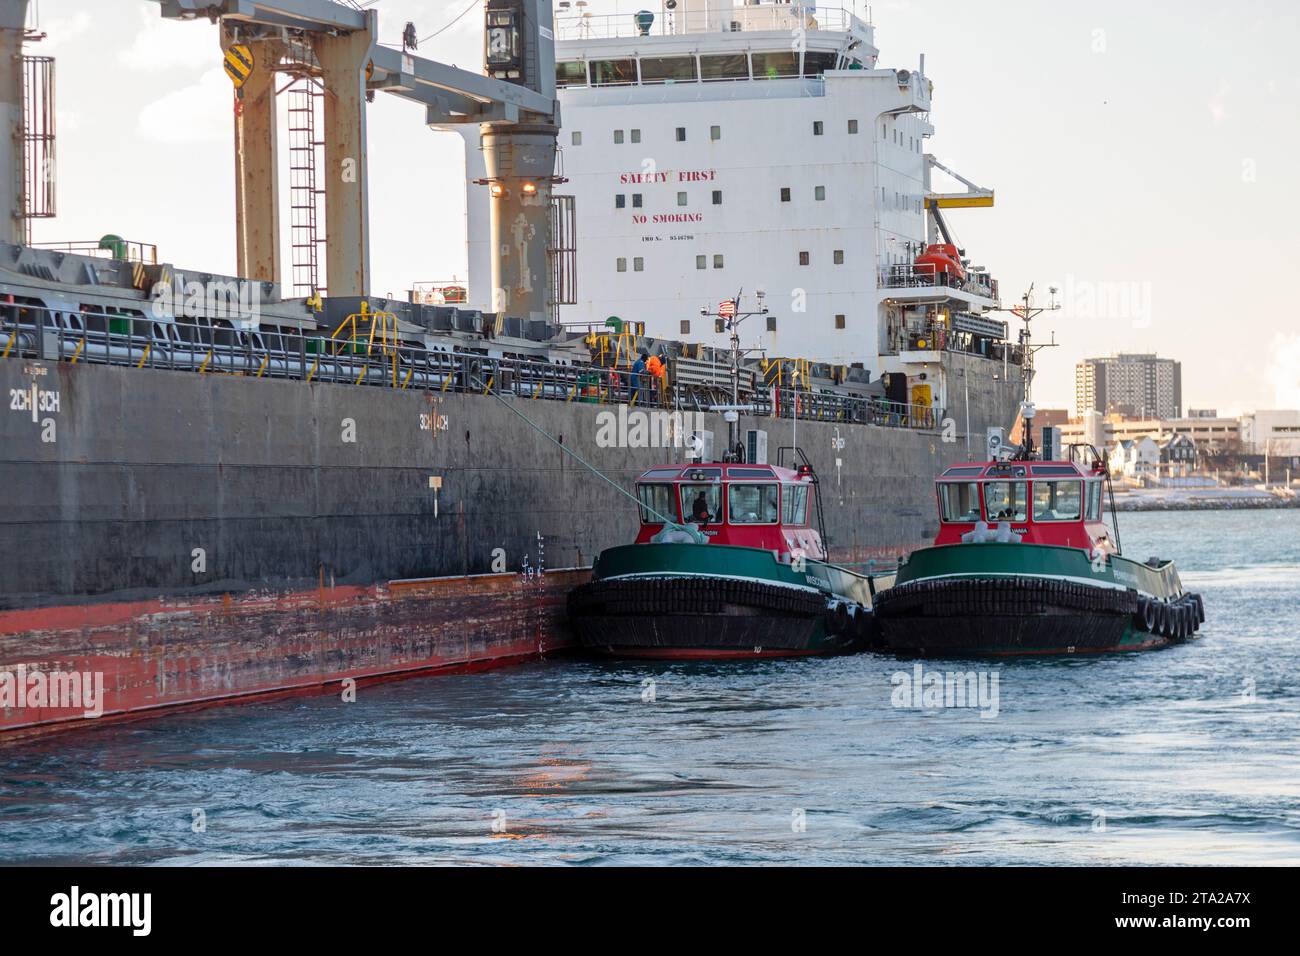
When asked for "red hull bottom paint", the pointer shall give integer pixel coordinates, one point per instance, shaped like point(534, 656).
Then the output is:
point(166, 655)
point(705, 654)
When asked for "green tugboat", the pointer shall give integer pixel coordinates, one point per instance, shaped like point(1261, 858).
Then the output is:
point(726, 565)
point(1023, 565)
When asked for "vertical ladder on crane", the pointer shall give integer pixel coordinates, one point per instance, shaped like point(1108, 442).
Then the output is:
point(306, 195)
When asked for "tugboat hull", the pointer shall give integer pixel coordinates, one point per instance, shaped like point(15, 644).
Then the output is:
point(678, 601)
point(1001, 599)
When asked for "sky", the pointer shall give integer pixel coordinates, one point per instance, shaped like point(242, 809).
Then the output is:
point(1143, 158)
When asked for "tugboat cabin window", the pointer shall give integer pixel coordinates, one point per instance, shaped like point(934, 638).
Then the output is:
point(656, 503)
point(1094, 501)
point(753, 504)
point(959, 501)
point(1006, 500)
point(794, 504)
point(1058, 500)
point(702, 503)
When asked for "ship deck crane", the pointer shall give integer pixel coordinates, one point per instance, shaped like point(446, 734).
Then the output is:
point(514, 103)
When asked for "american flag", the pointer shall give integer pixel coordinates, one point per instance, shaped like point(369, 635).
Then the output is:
point(727, 309)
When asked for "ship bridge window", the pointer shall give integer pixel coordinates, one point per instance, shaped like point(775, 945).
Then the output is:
point(668, 69)
point(794, 504)
point(571, 73)
point(1006, 500)
point(613, 72)
point(815, 64)
point(753, 504)
point(726, 66)
point(656, 503)
point(702, 503)
point(769, 66)
point(959, 501)
point(1058, 500)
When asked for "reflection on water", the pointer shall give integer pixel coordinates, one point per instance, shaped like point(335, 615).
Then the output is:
point(1187, 755)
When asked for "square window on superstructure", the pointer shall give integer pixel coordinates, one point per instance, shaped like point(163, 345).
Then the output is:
point(785, 194)
point(620, 265)
point(717, 197)
point(717, 261)
point(715, 133)
point(839, 321)
point(681, 199)
point(636, 200)
point(804, 258)
point(701, 262)
point(817, 127)
point(771, 323)
point(613, 72)
point(770, 66)
point(618, 136)
point(839, 257)
point(619, 201)
point(636, 135)
point(819, 193)
point(681, 134)
point(570, 73)
point(638, 264)
point(724, 66)
point(686, 327)
point(577, 138)
point(668, 69)
point(853, 126)
point(815, 64)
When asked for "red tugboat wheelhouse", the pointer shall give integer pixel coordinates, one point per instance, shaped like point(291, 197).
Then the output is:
point(1024, 564)
point(727, 564)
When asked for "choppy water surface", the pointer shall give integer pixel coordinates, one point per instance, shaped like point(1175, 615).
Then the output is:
point(1186, 755)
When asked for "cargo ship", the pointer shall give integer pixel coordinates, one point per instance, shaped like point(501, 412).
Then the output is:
point(237, 486)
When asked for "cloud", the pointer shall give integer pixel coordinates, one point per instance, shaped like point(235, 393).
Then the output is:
point(169, 44)
point(62, 32)
point(1218, 104)
point(192, 114)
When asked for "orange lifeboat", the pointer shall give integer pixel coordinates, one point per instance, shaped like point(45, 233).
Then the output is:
point(941, 258)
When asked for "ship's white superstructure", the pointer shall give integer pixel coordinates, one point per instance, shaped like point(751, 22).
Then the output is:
point(714, 147)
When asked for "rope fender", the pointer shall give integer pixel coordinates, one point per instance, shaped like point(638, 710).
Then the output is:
point(962, 597)
point(639, 596)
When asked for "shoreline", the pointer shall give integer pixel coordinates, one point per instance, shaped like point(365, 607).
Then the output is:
point(1205, 504)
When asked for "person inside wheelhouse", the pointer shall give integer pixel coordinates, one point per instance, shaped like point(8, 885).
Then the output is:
point(756, 506)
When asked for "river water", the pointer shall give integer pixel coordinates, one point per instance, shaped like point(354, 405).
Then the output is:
point(1185, 755)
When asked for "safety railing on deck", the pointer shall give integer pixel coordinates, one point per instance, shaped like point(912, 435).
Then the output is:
point(31, 332)
point(574, 22)
point(906, 276)
point(110, 247)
